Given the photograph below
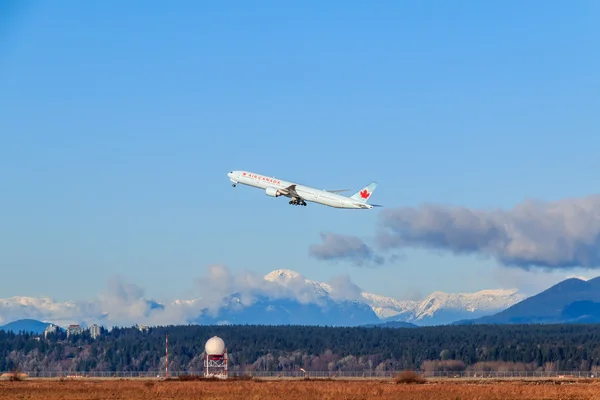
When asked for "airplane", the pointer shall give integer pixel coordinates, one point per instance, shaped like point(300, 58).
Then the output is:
point(300, 194)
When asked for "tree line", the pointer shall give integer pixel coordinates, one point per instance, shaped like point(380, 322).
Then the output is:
point(279, 348)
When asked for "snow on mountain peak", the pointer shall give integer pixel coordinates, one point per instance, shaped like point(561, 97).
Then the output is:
point(282, 275)
point(285, 277)
point(484, 301)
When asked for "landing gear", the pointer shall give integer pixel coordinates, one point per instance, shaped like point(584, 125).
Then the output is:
point(233, 184)
point(296, 202)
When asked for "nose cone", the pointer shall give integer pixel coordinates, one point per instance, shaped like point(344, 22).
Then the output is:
point(230, 174)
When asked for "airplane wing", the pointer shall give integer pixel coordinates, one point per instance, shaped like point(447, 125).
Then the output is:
point(291, 190)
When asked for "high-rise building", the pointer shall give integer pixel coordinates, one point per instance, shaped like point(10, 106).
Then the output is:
point(50, 329)
point(94, 331)
point(74, 330)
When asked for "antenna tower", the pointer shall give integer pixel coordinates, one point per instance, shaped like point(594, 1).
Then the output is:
point(167, 355)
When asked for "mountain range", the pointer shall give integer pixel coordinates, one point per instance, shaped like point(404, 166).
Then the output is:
point(438, 308)
point(570, 301)
point(286, 298)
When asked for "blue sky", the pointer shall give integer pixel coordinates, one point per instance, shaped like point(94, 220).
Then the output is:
point(119, 122)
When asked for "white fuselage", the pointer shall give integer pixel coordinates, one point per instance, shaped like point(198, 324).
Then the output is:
point(307, 193)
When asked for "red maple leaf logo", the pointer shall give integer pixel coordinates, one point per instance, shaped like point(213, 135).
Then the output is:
point(364, 194)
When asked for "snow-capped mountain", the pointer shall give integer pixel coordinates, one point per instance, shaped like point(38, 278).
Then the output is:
point(263, 310)
point(283, 297)
point(286, 277)
point(437, 308)
point(441, 308)
point(388, 307)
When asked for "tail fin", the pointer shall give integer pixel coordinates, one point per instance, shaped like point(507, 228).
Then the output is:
point(364, 194)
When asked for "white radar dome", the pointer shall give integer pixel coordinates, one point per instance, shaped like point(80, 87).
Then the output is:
point(214, 346)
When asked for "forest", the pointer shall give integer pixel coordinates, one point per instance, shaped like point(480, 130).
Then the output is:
point(279, 348)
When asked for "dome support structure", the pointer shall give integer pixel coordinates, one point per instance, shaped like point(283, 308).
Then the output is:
point(215, 359)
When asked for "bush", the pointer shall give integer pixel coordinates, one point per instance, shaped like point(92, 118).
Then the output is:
point(16, 375)
point(408, 377)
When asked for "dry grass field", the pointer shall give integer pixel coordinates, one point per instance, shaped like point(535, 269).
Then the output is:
point(34, 389)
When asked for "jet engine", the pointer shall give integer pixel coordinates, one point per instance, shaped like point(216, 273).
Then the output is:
point(271, 191)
